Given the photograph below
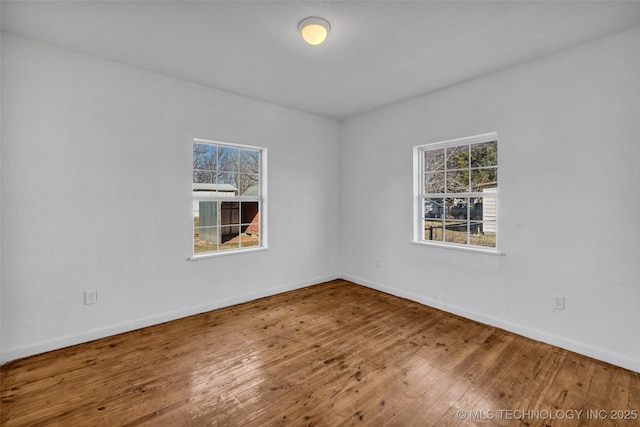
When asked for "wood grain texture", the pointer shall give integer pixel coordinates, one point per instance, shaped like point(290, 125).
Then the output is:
point(334, 354)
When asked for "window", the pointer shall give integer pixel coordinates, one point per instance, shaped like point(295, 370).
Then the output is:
point(456, 187)
point(229, 197)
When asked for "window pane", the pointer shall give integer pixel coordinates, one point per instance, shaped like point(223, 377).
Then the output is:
point(455, 232)
point(205, 232)
point(484, 154)
point(434, 182)
point(483, 178)
point(205, 239)
point(204, 177)
point(229, 238)
point(227, 184)
point(249, 240)
point(488, 214)
point(458, 181)
point(204, 157)
point(207, 214)
point(229, 213)
point(228, 159)
point(433, 230)
point(476, 210)
point(249, 185)
point(250, 161)
point(249, 213)
point(458, 157)
point(486, 240)
point(229, 225)
point(483, 217)
point(434, 160)
point(250, 227)
point(475, 228)
point(457, 208)
point(434, 208)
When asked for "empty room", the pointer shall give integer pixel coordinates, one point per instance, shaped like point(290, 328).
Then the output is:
point(381, 213)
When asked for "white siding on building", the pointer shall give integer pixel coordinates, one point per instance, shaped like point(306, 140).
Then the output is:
point(489, 211)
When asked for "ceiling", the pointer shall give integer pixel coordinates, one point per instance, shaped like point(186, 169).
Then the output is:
point(378, 52)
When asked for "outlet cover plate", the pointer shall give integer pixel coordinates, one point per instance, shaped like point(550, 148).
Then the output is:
point(557, 302)
point(90, 296)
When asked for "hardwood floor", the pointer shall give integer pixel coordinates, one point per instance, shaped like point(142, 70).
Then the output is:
point(334, 354)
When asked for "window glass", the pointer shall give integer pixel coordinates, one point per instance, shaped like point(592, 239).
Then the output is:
point(228, 197)
point(457, 194)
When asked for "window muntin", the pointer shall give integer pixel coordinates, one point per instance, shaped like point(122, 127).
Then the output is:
point(457, 192)
point(228, 197)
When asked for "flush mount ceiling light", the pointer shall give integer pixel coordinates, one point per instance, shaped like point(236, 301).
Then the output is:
point(314, 30)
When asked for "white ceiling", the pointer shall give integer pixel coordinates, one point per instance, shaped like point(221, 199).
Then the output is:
point(377, 53)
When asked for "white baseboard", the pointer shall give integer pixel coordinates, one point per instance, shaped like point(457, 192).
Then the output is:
point(66, 341)
point(555, 340)
point(558, 341)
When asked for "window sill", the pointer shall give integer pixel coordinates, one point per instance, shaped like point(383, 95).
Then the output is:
point(476, 249)
point(209, 255)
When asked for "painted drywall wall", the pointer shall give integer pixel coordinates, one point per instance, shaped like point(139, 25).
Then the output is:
point(96, 167)
point(569, 142)
point(0, 189)
point(95, 194)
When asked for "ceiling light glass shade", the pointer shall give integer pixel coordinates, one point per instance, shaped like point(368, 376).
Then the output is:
point(314, 30)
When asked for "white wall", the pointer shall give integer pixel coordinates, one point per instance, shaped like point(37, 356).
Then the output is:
point(96, 193)
point(1, 133)
point(569, 144)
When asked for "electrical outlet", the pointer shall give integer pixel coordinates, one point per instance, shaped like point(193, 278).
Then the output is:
point(90, 296)
point(377, 262)
point(557, 302)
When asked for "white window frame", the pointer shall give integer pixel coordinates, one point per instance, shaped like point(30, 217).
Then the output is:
point(420, 196)
point(261, 198)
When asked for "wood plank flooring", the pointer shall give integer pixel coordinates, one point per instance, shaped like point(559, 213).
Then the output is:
point(334, 354)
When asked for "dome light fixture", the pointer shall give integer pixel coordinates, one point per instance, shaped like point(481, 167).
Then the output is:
point(314, 30)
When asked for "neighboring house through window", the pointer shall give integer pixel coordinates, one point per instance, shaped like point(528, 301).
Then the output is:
point(456, 193)
point(229, 197)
